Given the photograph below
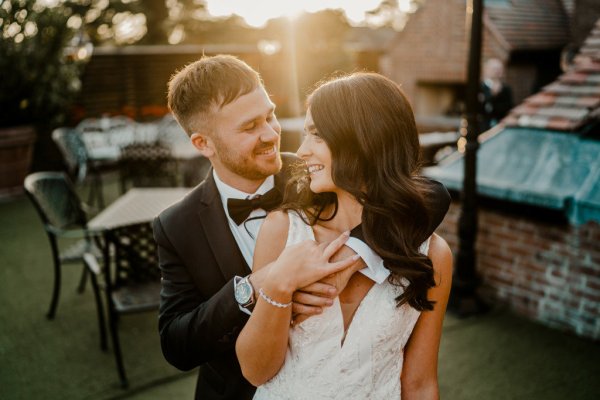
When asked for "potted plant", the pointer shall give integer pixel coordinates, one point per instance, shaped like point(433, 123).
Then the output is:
point(40, 78)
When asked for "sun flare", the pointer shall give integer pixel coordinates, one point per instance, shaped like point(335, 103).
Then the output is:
point(257, 12)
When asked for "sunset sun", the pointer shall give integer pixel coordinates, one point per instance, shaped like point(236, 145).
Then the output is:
point(256, 13)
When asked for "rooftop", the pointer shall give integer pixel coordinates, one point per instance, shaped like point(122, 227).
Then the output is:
point(529, 24)
point(570, 103)
point(553, 170)
point(545, 152)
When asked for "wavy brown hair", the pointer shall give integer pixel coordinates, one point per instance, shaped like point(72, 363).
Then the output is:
point(369, 127)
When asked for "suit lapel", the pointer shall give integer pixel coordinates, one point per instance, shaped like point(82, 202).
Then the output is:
point(216, 228)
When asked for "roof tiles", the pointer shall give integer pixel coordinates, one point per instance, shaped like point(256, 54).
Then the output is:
point(531, 24)
point(572, 100)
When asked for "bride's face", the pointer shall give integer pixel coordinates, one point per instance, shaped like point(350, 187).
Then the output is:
point(315, 152)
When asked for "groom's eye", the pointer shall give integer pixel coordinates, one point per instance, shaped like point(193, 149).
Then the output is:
point(249, 126)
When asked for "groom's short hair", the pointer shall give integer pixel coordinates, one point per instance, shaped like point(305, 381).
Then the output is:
point(206, 85)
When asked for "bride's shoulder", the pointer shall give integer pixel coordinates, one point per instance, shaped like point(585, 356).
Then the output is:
point(278, 219)
point(441, 257)
point(276, 224)
point(271, 239)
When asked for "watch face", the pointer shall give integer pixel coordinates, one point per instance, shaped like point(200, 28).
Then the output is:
point(243, 292)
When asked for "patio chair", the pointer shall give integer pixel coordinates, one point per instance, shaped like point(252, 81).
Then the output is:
point(79, 164)
point(63, 216)
point(131, 281)
point(192, 170)
point(147, 165)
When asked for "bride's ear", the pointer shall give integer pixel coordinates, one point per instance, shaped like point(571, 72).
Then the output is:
point(203, 143)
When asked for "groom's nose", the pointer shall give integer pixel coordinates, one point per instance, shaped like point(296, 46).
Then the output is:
point(271, 132)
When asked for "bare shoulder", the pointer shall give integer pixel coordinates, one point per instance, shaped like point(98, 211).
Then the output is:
point(277, 222)
point(441, 258)
point(271, 239)
point(275, 228)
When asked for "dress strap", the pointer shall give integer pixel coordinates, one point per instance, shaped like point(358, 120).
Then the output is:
point(424, 248)
point(299, 230)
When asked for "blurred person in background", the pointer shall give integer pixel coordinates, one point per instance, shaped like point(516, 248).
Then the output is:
point(495, 95)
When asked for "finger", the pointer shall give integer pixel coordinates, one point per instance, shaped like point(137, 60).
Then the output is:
point(338, 266)
point(321, 289)
point(313, 300)
point(299, 318)
point(335, 245)
point(298, 308)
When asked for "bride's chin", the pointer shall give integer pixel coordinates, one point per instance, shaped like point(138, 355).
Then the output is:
point(315, 189)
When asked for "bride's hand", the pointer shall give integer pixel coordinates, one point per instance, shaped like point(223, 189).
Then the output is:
point(305, 263)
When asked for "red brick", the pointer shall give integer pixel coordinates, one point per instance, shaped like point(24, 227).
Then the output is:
point(593, 284)
point(519, 250)
point(534, 243)
point(584, 270)
point(593, 309)
point(498, 279)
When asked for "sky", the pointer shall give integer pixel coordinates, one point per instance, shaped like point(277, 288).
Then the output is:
point(257, 12)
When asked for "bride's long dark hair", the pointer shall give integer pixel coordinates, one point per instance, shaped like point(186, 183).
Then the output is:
point(369, 127)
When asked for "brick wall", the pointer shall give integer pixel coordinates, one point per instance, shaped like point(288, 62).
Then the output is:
point(549, 272)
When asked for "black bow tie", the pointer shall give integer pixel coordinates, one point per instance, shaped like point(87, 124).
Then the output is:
point(239, 209)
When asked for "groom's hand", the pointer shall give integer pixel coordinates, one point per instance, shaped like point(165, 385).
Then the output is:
point(340, 279)
point(311, 300)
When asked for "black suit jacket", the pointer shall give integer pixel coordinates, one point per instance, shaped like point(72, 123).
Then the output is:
point(199, 319)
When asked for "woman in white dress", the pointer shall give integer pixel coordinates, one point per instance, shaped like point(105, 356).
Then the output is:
point(376, 340)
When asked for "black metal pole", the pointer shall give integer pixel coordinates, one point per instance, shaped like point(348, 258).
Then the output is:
point(464, 300)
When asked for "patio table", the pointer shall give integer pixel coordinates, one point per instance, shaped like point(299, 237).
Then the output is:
point(137, 205)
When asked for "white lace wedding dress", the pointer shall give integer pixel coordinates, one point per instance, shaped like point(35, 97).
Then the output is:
point(321, 364)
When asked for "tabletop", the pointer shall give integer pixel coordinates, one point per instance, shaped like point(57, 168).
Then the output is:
point(137, 205)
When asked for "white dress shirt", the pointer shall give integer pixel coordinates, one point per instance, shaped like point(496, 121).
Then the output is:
point(244, 234)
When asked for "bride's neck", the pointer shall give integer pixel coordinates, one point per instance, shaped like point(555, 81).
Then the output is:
point(348, 214)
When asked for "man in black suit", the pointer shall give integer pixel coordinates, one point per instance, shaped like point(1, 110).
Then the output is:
point(206, 241)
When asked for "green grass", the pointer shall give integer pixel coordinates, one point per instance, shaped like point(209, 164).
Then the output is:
point(61, 359)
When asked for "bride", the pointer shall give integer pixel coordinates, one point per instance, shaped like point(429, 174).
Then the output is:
point(377, 340)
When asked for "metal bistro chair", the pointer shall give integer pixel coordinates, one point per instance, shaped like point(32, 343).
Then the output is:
point(192, 170)
point(79, 164)
point(63, 216)
point(131, 281)
point(147, 165)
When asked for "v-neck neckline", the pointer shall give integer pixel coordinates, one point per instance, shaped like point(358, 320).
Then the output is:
point(340, 324)
point(345, 332)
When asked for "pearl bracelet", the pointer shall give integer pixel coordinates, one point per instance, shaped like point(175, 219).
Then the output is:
point(271, 301)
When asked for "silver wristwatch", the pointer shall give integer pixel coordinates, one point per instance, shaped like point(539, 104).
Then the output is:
point(244, 292)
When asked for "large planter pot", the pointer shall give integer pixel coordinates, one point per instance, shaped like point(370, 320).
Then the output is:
point(16, 149)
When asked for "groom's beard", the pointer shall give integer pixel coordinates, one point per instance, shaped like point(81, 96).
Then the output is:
point(249, 165)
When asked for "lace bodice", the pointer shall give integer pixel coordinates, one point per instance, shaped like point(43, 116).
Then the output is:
point(368, 363)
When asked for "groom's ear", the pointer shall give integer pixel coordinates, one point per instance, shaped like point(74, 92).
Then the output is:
point(203, 143)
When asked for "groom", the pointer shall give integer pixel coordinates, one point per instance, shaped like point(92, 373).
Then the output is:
point(206, 241)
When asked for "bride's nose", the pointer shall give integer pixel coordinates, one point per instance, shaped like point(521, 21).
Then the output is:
point(304, 149)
